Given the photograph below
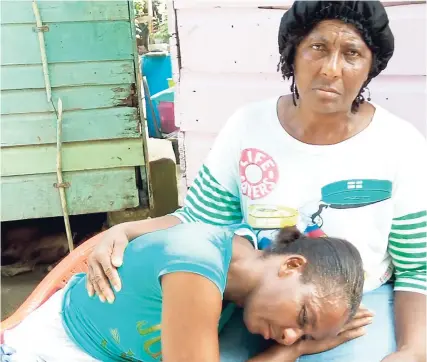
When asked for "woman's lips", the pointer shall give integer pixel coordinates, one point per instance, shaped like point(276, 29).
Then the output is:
point(267, 332)
point(327, 89)
point(327, 93)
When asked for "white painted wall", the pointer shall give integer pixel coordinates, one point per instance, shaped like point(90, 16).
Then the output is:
point(228, 54)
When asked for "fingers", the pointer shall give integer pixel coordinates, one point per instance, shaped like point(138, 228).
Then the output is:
point(101, 283)
point(111, 263)
point(119, 247)
point(113, 277)
point(357, 323)
point(317, 346)
point(351, 334)
point(89, 287)
point(103, 263)
point(93, 275)
point(363, 312)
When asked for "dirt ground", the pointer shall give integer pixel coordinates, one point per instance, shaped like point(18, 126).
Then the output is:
point(14, 290)
point(35, 246)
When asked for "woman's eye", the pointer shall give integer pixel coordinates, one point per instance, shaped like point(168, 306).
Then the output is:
point(304, 317)
point(317, 47)
point(353, 53)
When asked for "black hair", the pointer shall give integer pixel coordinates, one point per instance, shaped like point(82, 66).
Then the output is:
point(333, 265)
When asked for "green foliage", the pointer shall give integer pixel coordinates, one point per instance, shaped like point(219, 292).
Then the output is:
point(163, 32)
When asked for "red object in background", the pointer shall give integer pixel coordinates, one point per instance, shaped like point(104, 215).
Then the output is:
point(313, 231)
point(167, 116)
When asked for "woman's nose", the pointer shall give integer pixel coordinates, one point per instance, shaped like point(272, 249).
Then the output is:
point(291, 335)
point(331, 67)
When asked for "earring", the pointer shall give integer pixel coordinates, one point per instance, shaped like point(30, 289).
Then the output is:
point(294, 91)
point(369, 94)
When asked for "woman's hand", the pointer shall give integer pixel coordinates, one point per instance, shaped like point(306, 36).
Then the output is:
point(353, 329)
point(108, 254)
point(103, 263)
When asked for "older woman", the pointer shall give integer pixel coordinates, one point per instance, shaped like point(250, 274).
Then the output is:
point(366, 183)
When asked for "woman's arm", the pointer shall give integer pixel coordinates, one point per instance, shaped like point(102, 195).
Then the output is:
point(410, 326)
point(213, 199)
point(190, 315)
point(108, 254)
point(407, 247)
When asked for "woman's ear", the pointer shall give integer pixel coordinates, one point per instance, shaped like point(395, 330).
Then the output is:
point(292, 264)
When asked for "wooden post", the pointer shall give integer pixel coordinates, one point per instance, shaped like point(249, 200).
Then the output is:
point(40, 29)
point(61, 185)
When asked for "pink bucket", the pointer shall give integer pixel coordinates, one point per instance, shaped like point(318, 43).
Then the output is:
point(167, 116)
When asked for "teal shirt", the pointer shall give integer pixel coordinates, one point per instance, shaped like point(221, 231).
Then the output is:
point(130, 328)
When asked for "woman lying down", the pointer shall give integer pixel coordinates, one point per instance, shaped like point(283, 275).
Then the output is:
point(179, 287)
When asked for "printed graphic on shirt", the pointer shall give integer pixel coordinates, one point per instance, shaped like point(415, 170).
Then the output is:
point(350, 194)
point(152, 343)
point(346, 194)
point(259, 173)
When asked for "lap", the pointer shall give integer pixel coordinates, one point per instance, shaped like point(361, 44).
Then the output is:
point(42, 337)
point(237, 344)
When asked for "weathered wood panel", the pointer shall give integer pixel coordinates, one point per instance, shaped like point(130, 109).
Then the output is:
point(28, 160)
point(91, 56)
point(21, 11)
point(67, 74)
point(67, 42)
point(205, 108)
point(94, 124)
point(244, 40)
point(34, 196)
point(73, 98)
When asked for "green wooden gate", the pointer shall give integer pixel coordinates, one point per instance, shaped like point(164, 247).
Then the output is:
point(92, 66)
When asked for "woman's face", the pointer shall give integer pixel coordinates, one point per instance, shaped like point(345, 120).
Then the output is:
point(284, 309)
point(331, 64)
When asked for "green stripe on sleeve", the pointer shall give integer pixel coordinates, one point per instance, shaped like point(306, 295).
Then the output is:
point(412, 216)
point(407, 247)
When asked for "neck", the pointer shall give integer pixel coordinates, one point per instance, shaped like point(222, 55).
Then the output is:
point(313, 121)
point(309, 126)
point(245, 272)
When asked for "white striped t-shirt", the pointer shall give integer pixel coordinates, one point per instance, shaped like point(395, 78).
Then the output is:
point(369, 189)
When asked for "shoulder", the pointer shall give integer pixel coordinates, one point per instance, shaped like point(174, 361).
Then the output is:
point(253, 114)
point(403, 149)
point(398, 132)
point(198, 248)
point(185, 235)
point(200, 236)
point(193, 243)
